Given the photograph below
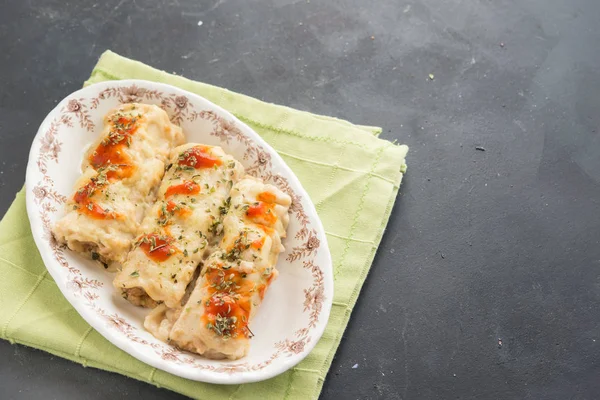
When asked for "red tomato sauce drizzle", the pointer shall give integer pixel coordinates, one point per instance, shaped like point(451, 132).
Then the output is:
point(108, 158)
point(85, 204)
point(174, 208)
point(228, 302)
point(267, 197)
point(110, 152)
point(158, 248)
point(186, 188)
point(262, 212)
point(199, 157)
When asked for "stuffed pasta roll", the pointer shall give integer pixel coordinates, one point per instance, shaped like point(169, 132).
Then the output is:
point(181, 228)
point(215, 320)
point(121, 173)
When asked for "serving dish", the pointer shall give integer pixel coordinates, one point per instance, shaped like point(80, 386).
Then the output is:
point(296, 307)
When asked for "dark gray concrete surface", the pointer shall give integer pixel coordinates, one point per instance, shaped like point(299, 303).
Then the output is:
point(482, 246)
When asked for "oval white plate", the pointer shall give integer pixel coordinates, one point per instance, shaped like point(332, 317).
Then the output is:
point(296, 307)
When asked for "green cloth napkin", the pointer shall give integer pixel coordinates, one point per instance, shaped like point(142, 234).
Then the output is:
point(351, 176)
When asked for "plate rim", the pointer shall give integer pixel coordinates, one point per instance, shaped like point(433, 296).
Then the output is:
point(121, 341)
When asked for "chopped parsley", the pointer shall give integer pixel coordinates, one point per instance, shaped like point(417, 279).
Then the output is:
point(225, 207)
point(224, 326)
point(216, 227)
